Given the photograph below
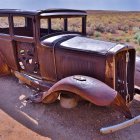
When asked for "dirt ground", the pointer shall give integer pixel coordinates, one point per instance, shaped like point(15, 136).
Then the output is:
point(22, 120)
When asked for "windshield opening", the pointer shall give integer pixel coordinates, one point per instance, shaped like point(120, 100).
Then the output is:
point(49, 25)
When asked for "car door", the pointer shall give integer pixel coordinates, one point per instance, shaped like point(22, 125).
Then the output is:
point(24, 40)
point(6, 45)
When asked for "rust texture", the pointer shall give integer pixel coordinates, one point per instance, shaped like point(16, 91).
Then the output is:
point(27, 57)
point(4, 70)
point(47, 58)
point(90, 89)
point(137, 72)
point(137, 75)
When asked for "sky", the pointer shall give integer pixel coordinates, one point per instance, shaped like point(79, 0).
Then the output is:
point(121, 5)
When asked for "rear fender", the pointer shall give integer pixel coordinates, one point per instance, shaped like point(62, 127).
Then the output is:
point(4, 70)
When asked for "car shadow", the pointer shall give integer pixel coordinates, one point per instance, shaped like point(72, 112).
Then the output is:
point(82, 122)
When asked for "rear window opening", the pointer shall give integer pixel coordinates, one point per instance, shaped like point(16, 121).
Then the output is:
point(4, 25)
point(23, 26)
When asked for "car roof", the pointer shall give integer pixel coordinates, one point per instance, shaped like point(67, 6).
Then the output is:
point(46, 12)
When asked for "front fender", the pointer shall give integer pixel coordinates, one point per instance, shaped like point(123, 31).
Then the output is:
point(86, 87)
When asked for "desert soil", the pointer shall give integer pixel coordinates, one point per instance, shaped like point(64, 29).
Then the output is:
point(22, 120)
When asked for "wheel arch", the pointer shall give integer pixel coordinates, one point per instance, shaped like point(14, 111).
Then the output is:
point(86, 87)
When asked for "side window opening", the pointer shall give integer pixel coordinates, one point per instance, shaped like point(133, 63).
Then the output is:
point(57, 24)
point(4, 25)
point(75, 24)
point(23, 26)
point(43, 27)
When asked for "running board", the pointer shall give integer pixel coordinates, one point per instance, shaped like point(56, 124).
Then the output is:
point(38, 84)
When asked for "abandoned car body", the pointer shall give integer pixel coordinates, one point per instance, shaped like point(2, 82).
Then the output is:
point(61, 59)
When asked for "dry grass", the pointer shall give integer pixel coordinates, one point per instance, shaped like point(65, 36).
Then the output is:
point(119, 27)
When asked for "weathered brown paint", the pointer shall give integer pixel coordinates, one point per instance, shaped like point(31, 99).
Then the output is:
point(33, 82)
point(58, 55)
point(88, 88)
point(137, 72)
point(4, 70)
point(137, 75)
point(91, 89)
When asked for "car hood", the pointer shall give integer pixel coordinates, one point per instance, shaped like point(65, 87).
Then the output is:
point(79, 43)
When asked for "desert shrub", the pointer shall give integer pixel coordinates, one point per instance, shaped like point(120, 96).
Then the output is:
point(111, 30)
point(138, 50)
point(130, 26)
point(138, 40)
point(137, 37)
point(90, 31)
point(135, 42)
point(127, 40)
point(117, 39)
point(135, 28)
point(100, 28)
point(109, 36)
point(110, 39)
point(124, 28)
point(89, 24)
point(97, 34)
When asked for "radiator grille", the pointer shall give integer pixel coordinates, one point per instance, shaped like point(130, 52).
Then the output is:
point(124, 73)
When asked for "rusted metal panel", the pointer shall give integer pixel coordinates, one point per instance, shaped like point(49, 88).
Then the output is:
point(46, 61)
point(90, 89)
point(36, 83)
point(70, 62)
point(88, 45)
point(4, 70)
point(109, 71)
point(8, 51)
point(27, 57)
point(53, 56)
point(120, 68)
point(124, 81)
point(137, 72)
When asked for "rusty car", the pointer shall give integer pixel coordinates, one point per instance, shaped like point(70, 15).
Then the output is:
point(46, 51)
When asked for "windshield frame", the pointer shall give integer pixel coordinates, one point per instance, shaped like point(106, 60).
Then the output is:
point(65, 24)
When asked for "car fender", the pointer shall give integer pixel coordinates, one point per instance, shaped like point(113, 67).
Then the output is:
point(86, 87)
